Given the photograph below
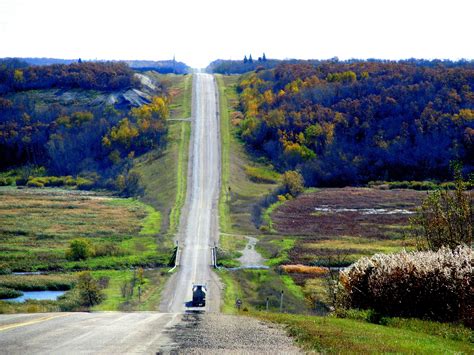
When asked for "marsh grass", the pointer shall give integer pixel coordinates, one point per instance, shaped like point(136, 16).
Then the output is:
point(35, 233)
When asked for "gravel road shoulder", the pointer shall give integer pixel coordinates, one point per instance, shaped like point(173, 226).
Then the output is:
point(218, 334)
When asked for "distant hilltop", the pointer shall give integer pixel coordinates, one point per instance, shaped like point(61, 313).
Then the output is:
point(161, 66)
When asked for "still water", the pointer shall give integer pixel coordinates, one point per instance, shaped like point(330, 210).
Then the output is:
point(37, 295)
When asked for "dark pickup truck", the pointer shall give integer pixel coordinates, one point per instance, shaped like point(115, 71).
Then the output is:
point(199, 296)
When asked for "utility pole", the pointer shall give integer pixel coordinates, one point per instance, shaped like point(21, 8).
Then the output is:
point(281, 301)
point(268, 299)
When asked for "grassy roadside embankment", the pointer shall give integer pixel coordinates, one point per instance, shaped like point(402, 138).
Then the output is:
point(336, 335)
point(165, 173)
point(244, 180)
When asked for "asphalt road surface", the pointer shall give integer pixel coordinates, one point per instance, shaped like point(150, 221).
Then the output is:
point(198, 225)
point(86, 333)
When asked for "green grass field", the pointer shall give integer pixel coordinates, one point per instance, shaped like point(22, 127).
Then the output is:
point(37, 226)
point(254, 286)
point(154, 281)
point(335, 335)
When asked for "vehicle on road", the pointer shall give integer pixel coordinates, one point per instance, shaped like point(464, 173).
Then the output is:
point(199, 295)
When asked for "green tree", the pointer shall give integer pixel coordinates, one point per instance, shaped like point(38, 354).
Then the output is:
point(445, 217)
point(80, 249)
point(89, 290)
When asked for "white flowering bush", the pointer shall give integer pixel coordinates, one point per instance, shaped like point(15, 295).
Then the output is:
point(425, 284)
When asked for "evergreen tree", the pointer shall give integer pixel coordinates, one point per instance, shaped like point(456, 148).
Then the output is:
point(250, 59)
point(264, 58)
point(245, 60)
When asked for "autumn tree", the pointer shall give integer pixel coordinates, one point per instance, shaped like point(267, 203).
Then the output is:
point(445, 217)
point(293, 182)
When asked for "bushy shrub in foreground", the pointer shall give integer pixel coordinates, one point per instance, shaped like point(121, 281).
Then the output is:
point(435, 285)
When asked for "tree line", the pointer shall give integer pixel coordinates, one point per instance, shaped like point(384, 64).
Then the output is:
point(246, 65)
point(350, 123)
point(95, 141)
point(16, 75)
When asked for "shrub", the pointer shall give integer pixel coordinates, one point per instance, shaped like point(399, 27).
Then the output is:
point(445, 218)
point(399, 185)
point(415, 185)
point(6, 181)
point(109, 249)
point(424, 284)
point(79, 249)
point(69, 181)
point(34, 183)
point(448, 186)
point(293, 182)
point(84, 184)
point(5, 269)
point(89, 289)
point(129, 184)
point(54, 181)
point(6, 292)
point(262, 175)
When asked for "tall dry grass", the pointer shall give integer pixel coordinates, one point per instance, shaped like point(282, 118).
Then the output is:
point(425, 284)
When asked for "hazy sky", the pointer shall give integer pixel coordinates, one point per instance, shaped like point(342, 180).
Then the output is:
point(203, 30)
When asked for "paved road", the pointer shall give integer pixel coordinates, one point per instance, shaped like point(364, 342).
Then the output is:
point(81, 333)
point(198, 227)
